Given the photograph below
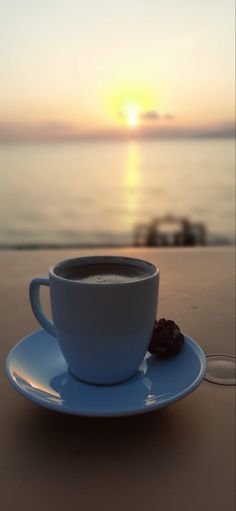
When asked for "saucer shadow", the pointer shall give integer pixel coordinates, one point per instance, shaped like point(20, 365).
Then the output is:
point(61, 438)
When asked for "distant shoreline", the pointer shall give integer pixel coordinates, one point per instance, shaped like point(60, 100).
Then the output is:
point(121, 138)
point(62, 246)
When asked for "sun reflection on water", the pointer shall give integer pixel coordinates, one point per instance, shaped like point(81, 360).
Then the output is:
point(132, 185)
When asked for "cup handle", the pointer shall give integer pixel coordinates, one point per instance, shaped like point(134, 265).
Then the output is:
point(36, 304)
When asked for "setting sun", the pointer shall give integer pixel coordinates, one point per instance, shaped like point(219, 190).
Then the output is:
point(131, 115)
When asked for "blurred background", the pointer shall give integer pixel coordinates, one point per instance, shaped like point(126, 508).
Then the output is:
point(117, 122)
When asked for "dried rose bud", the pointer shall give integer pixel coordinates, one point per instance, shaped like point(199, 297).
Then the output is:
point(167, 339)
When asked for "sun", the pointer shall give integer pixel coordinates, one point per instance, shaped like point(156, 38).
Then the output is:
point(132, 117)
point(131, 114)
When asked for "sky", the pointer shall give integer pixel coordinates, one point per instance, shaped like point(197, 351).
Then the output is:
point(103, 68)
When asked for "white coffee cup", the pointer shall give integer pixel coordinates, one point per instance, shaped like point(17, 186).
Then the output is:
point(103, 329)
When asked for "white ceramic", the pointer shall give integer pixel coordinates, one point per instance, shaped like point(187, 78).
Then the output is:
point(103, 329)
point(37, 369)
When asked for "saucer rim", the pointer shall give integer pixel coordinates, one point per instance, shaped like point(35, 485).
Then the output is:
point(90, 413)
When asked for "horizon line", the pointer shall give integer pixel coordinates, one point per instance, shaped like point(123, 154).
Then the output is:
point(118, 137)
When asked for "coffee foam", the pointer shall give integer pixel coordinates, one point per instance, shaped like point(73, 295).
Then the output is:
point(104, 273)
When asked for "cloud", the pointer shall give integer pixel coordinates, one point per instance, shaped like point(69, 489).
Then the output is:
point(169, 117)
point(150, 115)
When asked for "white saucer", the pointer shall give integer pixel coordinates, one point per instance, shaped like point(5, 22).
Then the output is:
point(37, 369)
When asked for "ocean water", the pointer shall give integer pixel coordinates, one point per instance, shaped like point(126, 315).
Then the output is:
point(96, 192)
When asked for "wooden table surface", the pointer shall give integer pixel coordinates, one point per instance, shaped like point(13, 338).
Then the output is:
point(178, 458)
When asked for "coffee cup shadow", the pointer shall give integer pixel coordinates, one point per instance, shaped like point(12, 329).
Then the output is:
point(101, 397)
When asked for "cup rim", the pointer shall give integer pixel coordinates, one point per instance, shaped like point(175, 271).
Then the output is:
point(106, 258)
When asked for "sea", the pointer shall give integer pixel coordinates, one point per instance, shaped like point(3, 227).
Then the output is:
point(96, 192)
